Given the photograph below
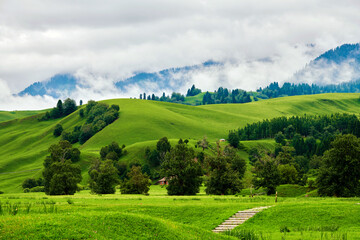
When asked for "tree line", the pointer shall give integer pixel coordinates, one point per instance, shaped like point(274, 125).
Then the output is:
point(307, 125)
point(337, 170)
point(322, 146)
point(184, 169)
point(224, 95)
point(291, 89)
point(273, 90)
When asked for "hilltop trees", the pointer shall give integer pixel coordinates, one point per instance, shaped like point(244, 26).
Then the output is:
point(69, 106)
point(291, 89)
point(61, 175)
point(182, 171)
point(61, 110)
point(224, 95)
point(193, 91)
point(339, 174)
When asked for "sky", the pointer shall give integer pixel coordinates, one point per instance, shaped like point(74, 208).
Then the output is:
point(258, 41)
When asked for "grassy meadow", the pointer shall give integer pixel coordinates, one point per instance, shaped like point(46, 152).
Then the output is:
point(7, 116)
point(24, 142)
point(158, 216)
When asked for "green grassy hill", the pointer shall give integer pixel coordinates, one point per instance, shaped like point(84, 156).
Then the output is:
point(24, 142)
point(6, 116)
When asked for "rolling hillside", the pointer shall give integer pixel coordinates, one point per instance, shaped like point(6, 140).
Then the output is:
point(6, 116)
point(24, 142)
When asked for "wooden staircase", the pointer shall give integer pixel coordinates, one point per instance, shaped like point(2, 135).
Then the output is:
point(238, 218)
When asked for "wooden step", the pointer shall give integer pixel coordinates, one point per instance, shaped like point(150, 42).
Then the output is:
point(226, 226)
point(238, 218)
point(232, 222)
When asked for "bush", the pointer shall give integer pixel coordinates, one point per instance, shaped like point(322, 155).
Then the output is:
point(138, 183)
point(311, 184)
point(26, 190)
point(29, 183)
point(81, 113)
point(115, 107)
point(110, 116)
point(284, 229)
point(1, 192)
point(112, 151)
point(58, 130)
point(38, 189)
point(86, 133)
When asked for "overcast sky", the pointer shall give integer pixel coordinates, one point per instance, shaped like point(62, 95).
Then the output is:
point(260, 41)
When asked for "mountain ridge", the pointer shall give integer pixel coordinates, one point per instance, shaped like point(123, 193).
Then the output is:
point(329, 68)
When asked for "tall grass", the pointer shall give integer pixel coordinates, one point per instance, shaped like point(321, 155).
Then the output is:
point(244, 234)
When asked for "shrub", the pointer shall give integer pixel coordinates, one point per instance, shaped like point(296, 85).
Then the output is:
point(26, 190)
point(58, 130)
point(284, 229)
point(29, 183)
point(38, 189)
point(81, 113)
point(138, 183)
point(86, 133)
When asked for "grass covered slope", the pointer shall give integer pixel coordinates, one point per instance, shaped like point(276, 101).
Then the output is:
point(158, 216)
point(7, 116)
point(24, 142)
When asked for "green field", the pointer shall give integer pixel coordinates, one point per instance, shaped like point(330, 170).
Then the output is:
point(24, 142)
point(158, 216)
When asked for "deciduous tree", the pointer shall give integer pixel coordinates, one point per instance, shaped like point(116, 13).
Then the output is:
point(182, 171)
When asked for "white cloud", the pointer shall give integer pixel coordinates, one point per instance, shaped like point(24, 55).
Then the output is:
point(113, 39)
point(10, 102)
